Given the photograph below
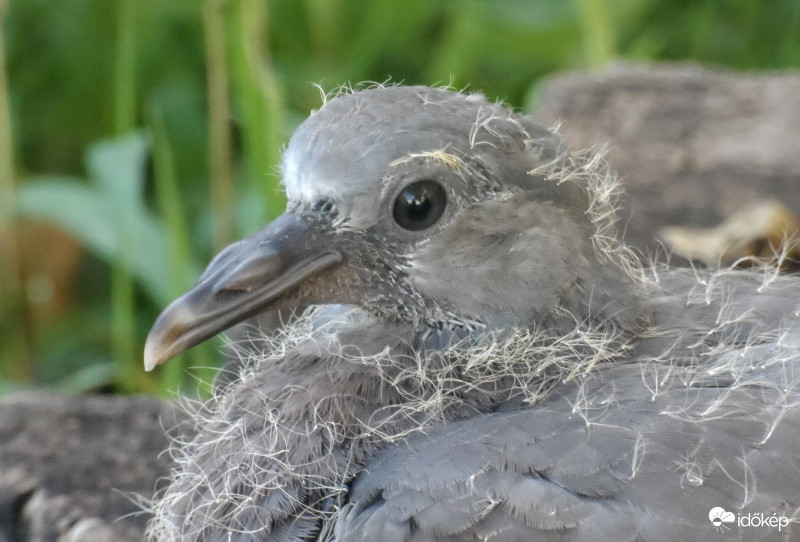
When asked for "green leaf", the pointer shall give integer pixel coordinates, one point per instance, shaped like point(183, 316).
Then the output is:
point(73, 207)
point(86, 379)
point(118, 167)
point(109, 216)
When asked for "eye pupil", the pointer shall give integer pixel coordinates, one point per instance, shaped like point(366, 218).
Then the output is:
point(420, 205)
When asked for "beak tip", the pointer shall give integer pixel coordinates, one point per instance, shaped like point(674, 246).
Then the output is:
point(151, 358)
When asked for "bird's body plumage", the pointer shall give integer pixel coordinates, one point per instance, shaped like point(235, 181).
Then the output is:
point(639, 448)
point(505, 372)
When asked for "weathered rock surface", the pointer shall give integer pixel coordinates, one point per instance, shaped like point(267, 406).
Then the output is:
point(71, 467)
point(692, 145)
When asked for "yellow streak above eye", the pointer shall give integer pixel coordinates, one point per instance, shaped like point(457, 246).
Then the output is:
point(450, 160)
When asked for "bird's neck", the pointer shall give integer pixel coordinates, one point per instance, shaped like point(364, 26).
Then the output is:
point(603, 297)
point(315, 408)
point(365, 379)
point(351, 382)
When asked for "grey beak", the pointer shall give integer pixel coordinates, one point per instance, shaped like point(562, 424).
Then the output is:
point(247, 278)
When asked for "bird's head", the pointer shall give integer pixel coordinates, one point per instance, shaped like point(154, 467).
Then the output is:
point(420, 205)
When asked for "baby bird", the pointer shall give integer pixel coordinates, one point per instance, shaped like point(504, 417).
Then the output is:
point(478, 357)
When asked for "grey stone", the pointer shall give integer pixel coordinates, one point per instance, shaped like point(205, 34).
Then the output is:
point(691, 144)
point(71, 468)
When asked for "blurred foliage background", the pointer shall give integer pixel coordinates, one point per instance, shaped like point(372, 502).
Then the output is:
point(137, 137)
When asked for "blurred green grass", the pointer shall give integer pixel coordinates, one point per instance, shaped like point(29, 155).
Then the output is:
point(139, 136)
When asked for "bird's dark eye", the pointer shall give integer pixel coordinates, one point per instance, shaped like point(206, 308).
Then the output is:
point(419, 205)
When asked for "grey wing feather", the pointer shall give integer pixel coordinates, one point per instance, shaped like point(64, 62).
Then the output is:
point(655, 482)
point(638, 450)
